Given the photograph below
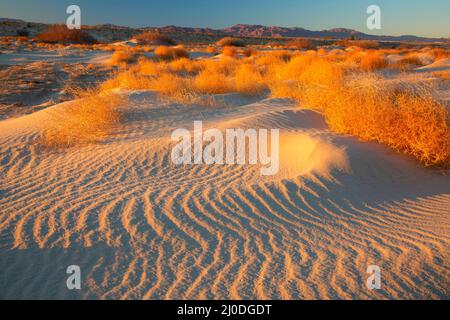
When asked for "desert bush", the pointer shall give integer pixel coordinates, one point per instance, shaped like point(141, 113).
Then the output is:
point(226, 66)
point(373, 60)
point(62, 34)
point(169, 53)
point(273, 58)
point(407, 119)
point(154, 38)
point(249, 80)
point(123, 57)
point(406, 63)
point(88, 119)
point(213, 82)
point(230, 51)
point(439, 53)
point(186, 66)
point(230, 42)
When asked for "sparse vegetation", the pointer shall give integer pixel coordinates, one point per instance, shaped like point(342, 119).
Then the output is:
point(171, 53)
point(88, 119)
point(301, 43)
point(61, 34)
point(230, 42)
point(344, 86)
point(373, 60)
point(230, 51)
point(364, 44)
point(123, 56)
point(154, 38)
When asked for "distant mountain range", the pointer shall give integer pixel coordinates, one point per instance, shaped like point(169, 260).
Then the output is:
point(9, 26)
point(246, 30)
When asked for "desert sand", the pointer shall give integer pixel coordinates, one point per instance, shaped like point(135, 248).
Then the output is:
point(140, 227)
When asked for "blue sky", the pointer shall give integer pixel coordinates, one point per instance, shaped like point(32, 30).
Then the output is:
point(418, 17)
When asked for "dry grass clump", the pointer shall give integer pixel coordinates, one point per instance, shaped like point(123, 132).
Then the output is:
point(148, 67)
point(373, 60)
point(122, 57)
point(62, 34)
point(154, 38)
point(169, 53)
point(212, 81)
point(273, 58)
point(230, 42)
point(407, 119)
point(230, 51)
point(406, 63)
point(185, 66)
point(439, 53)
point(249, 80)
point(88, 119)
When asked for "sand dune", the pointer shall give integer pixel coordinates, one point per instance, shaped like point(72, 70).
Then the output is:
point(141, 227)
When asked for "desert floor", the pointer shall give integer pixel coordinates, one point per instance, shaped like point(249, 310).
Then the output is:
point(141, 227)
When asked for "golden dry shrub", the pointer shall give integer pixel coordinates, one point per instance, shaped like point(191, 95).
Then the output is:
point(373, 60)
point(185, 66)
point(409, 120)
point(225, 66)
point(127, 79)
point(88, 119)
point(210, 81)
point(178, 89)
point(407, 62)
point(230, 52)
point(273, 58)
point(249, 81)
point(168, 53)
point(123, 56)
point(440, 53)
point(146, 66)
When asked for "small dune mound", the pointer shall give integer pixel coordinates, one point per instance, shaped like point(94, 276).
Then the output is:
point(302, 154)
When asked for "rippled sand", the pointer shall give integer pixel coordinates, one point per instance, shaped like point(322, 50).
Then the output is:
point(142, 228)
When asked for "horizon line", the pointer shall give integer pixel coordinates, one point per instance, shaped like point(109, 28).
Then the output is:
point(236, 24)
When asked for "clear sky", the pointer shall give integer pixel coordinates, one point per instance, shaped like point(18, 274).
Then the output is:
point(398, 17)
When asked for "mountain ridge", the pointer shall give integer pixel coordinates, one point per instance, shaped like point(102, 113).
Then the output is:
point(241, 30)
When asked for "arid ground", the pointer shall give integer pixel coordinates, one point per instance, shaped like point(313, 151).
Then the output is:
point(86, 175)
